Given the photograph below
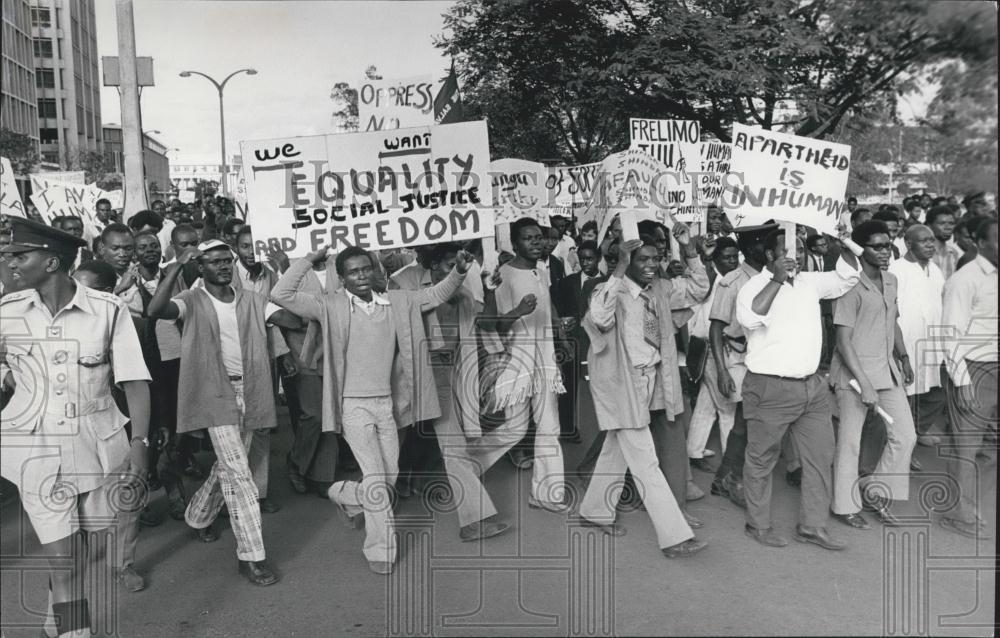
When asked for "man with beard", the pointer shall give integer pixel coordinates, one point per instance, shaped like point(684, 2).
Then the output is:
point(869, 344)
point(224, 388)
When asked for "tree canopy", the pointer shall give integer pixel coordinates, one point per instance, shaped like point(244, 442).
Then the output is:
point(558, 79)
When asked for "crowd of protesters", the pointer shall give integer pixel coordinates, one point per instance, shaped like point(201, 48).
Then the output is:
point(132, 356)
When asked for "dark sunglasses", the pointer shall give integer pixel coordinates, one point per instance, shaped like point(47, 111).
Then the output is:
point(877, 247)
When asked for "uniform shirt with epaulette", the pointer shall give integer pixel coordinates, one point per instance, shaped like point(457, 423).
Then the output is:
point(61, 427)
point(724, 304)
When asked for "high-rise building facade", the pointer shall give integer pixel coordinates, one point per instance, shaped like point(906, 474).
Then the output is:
point(67, 79)
point(18, 111)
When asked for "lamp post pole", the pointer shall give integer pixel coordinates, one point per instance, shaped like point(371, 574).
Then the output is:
point(219, 86)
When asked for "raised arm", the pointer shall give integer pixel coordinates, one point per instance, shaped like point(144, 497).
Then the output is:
point(286, 292)
point(160, 306)
point(442, 291)
point(604, 301)
point(691, 289)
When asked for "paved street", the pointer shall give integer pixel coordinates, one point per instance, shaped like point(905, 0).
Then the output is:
point(545, 577)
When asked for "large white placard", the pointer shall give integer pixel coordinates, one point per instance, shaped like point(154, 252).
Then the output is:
point(376, 190)
point(787, 178)
point(10, 197)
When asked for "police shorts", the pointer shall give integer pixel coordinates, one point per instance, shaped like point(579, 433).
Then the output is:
point(63, 512)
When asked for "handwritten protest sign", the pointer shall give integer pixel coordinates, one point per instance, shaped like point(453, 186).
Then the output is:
point(518, 190)
point(40, 181)
point(396, 103)
point(116, 198)
point(789, 178)
point(569, 188)
point(240, 196)
point(376, 190)
point(74, 200)
point(10, 198)
point(632, 180)
point(715, 164)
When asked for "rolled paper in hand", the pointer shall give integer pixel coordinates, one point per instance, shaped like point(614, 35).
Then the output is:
point(878, 409)
point(852, 246)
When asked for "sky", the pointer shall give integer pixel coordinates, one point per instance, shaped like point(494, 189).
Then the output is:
point(299, 49)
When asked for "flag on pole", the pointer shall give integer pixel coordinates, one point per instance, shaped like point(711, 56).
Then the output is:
point(448, 102)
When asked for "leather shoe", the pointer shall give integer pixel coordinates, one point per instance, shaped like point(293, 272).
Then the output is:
point(818, 536)
point(766, 537)
point(354, 521)
point(689, 547)
point(258, 572)
point(975, 530)
point(176, 506)
point(855, 520)
point(731, 488)
point(612, 529)
point(693, 492)
point(481, 529)
point(886, 518)
point(915, 465)
point(129, 579)
point(207, 534)
point(268, 506)
point(928, 440)
point(794, 478)
point(380, 567)
point(557, 508)
point(703, 465)
point(693, 523)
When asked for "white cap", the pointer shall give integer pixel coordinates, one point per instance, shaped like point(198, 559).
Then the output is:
point(212, 244)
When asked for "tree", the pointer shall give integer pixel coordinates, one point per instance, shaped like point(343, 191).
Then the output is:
point(578, 69)
point(97, 169)
point(21, 150)
point(345, 100)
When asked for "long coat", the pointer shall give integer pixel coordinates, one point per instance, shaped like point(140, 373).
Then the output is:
point(414, 395)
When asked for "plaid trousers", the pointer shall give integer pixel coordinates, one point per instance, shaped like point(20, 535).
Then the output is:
point(231, 483)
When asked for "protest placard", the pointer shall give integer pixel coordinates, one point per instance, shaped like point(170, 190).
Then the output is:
point(396, 103)
point(632, 180)
point(74, 200)
point(715, 163)
point(376, 190)
point(787, 177)
point(41, 181)
point(240, 194)
point(569, 188)
point(518, 188)
point(10, 198)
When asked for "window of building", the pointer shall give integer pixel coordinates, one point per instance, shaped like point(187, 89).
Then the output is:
point(41, 17)
point(48, 135)
point(43, 47)
point(47, 107)
point(45, 79)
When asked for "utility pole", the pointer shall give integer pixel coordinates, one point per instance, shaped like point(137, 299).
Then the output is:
point(135, 182)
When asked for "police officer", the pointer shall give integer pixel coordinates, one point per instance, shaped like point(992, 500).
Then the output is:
point(64, 444)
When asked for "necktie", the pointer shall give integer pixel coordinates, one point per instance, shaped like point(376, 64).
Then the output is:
point(650, 321)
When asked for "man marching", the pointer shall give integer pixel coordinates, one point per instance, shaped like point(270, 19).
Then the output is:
point(377, 377)
point(64, 443)
point(633, 373)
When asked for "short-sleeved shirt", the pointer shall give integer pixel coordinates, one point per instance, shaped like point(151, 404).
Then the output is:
point(62, 424)
point(724, 303)
point(872, 314)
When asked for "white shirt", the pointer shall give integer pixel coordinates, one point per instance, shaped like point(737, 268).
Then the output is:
point(367, 306)
point(787, 342)
point(321, 278)
point(970, 310)
point(919, 298)
point(229, 330)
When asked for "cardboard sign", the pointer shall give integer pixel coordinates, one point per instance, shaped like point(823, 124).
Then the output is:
point(240, 194)
point(518, 188)
point(10, 198)
point(41, 181)
point(569, 189)
point(787, 177)
point(715, 164)
point(396, 103)
point(73, 200)
point(378, 190)
point(632, 179)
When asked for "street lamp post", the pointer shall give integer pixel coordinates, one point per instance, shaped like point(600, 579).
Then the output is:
point(222, 117)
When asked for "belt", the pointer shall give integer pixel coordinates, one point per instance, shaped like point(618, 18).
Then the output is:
point(235, 378)
point(778, 376)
